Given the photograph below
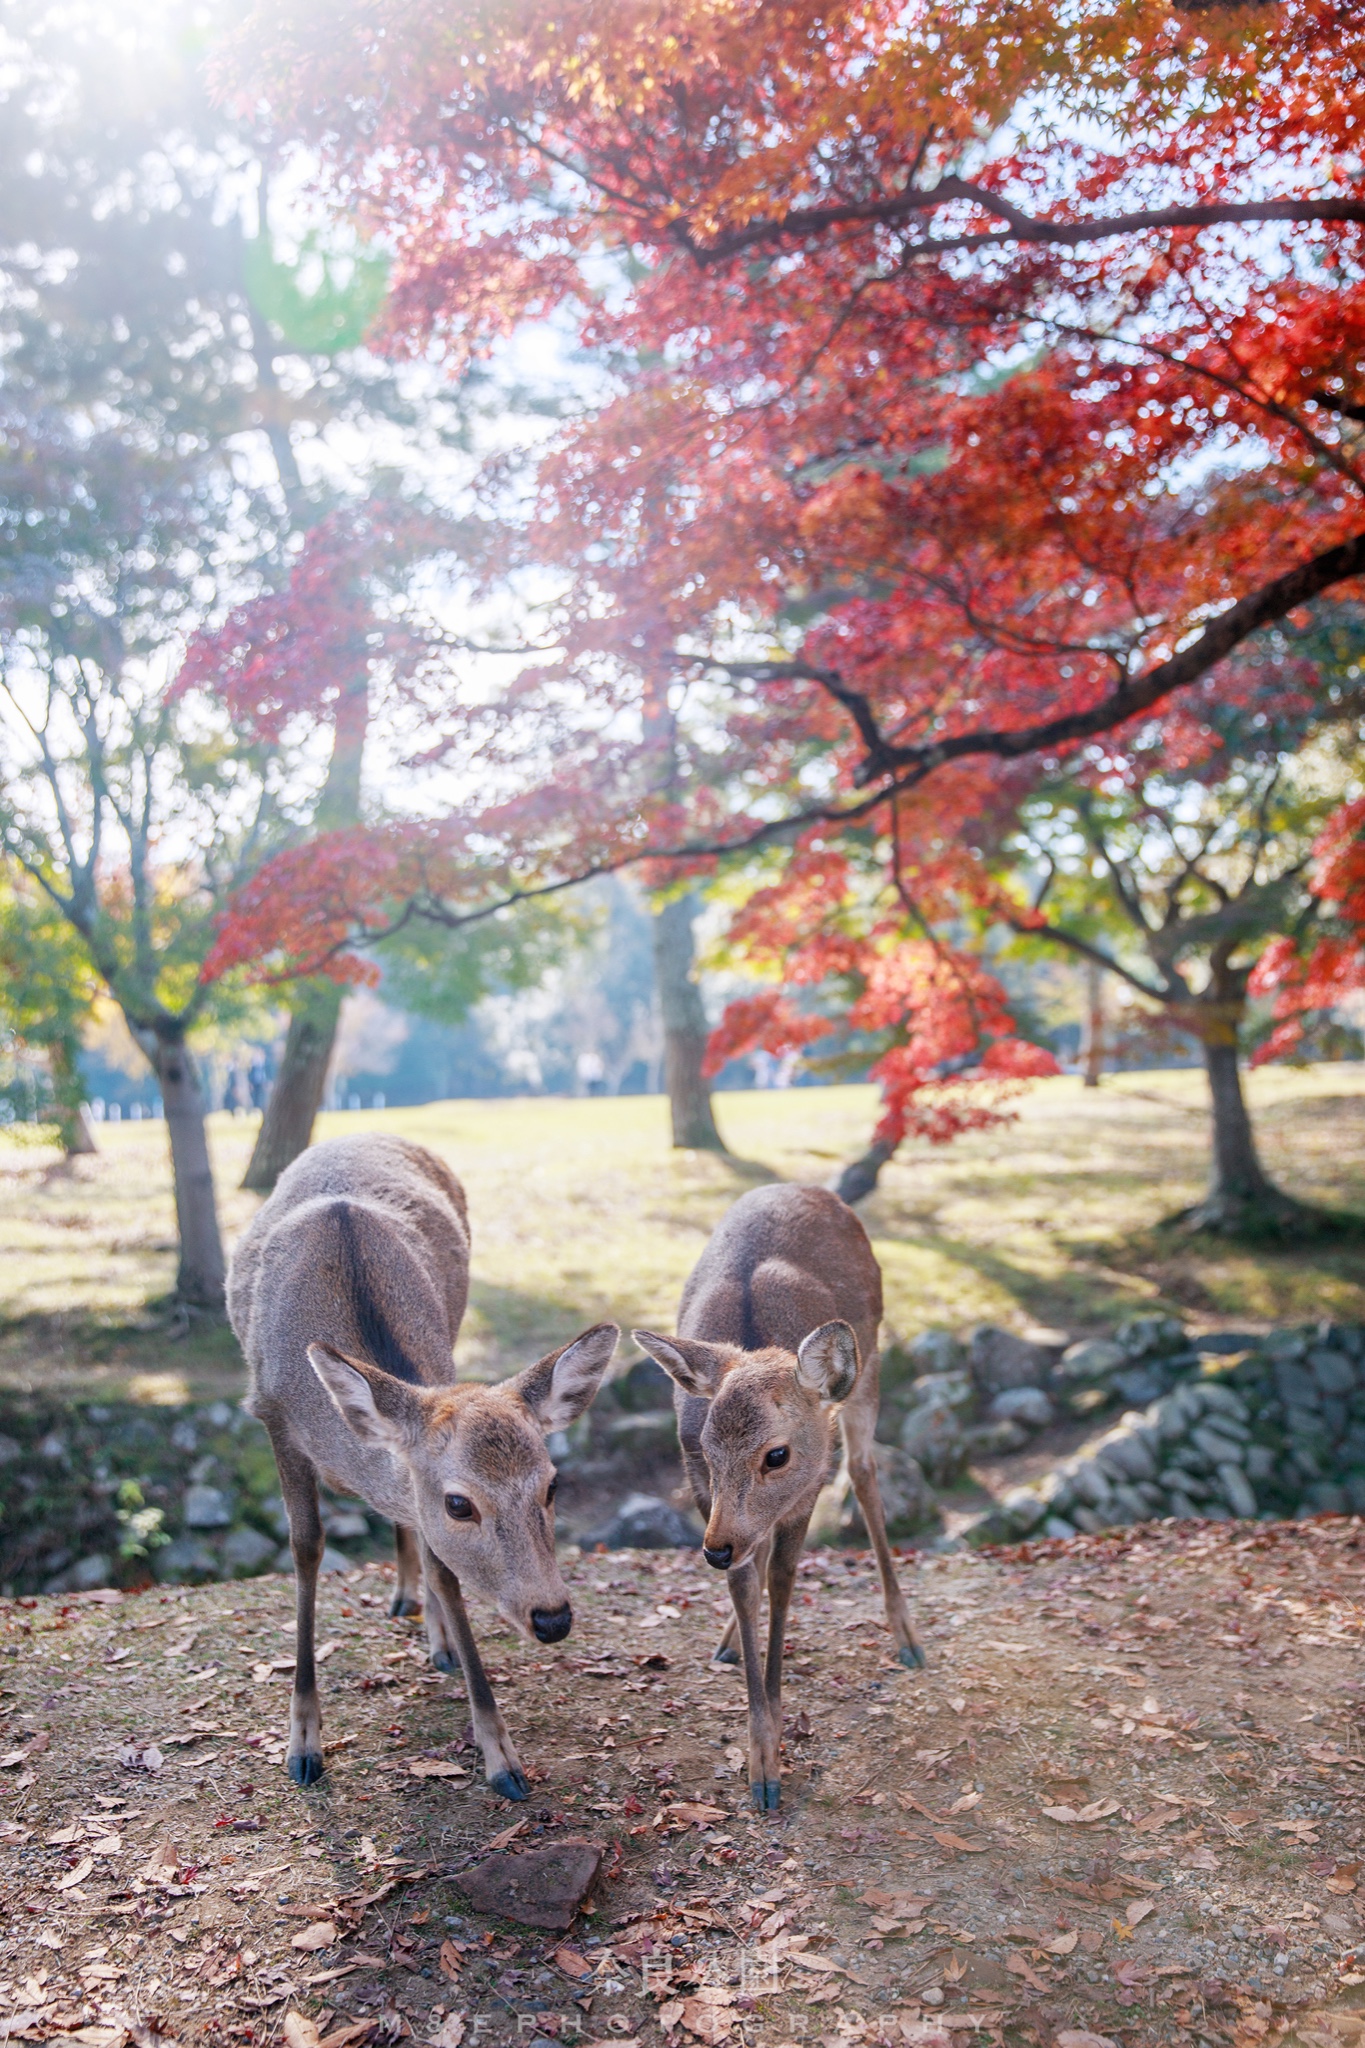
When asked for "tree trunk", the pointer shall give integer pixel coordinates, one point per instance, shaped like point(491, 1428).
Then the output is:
point(1237, 1174)
point(1242, 1200)
point(1092, 1033)
point(201, 1279)
point(294, 1100)
point(860, 1176)
point(685, 1033)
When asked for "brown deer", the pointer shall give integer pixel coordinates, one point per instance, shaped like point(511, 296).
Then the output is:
point(346, 1294)
point(777, 1334)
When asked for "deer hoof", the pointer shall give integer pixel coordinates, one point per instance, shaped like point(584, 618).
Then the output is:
point(726, 1656)
point(766, 1794)
point(307, 1767)
point(402, 1607)
point(912, 1656)
point(510, 1785)
point(443, 1661)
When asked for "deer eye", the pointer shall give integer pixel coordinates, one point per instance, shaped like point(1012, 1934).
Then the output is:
point(551, 1490)
point(777, 1457)
point(459, 1508)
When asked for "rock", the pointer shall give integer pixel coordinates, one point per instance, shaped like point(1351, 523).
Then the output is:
point(933, 1437)
point(907, 1502)
point(994, 1439)
point(994, 1526)
point(642, 1387)
point(1333, 1371)
point(1150, 1336)
point(185, 1558)
point(332, 1561)
point(1089, 1521)
point(1183, 1508)
point(945, 1389)
point(274, 1511)
point(52, 1446)
point(1217, 1447)
point(9, 1450)
point(1024, 1507)
point(185, 1436)
point(1139, 1384)
point(1126, 1454)
point(1237, 1491)
point(1289, 1343)
point(1094, 1359)
point(1091, 1483)
point(1126, 1505)
point(1058, 1528)
point(644, 1435)
point(1260, 1461)
point(219, 1415)
point(1324, 1497)
point(644, 1522)
point(539, 1888)
point(998, 1359)
point(207, 1507)
point(87, 1575)
point(1212, 1394)
point(1026, 1405)
point(935, 1351)
point(346, 1525)
point(246, 1551)
point(1226, 1343)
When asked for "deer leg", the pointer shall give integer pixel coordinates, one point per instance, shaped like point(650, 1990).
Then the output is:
point(858, 1425)
point(785, 1557)
point(765, 1783)
point(407, 1597)
point(299, 1485)
point(725, 1651)
point(501, 1763)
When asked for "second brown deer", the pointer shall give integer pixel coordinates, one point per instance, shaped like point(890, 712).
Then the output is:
point(778, 1335)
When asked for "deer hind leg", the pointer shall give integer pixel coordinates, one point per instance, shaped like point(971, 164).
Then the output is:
point(501, 1763)
point(407, 1599)
point(727, 1649)
point(858, 1424)
point(765, 1782)
point(299, 1486)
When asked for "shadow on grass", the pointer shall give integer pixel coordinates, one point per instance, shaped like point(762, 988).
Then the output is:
point(139, 1356)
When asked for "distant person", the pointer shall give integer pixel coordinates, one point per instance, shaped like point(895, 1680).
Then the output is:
point(592, 1073)
point(258, 1081)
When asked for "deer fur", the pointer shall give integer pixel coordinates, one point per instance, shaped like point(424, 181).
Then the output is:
point(346, 1294)
point(777, 1335)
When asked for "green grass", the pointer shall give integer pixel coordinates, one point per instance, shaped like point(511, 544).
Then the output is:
point(581, 1210)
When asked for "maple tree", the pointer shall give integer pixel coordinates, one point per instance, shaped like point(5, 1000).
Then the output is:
point(978, 386)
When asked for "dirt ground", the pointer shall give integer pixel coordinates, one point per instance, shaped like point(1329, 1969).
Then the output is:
point(1123, 1800)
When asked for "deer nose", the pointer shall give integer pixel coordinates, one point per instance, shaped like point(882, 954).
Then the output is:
point(720, 1558)
point(552, 1624)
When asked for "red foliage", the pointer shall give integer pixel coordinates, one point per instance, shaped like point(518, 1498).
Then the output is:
point(1318, 976)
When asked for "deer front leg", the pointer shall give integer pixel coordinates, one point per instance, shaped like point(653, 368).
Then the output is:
point(786, 1555)
point(299, 1486)
point(407, 1598)
point(858, 1424)
point(725, 1651)
point(501, 1763)
point(765, 1782)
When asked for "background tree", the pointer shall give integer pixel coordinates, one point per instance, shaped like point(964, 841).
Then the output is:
point(48, 994)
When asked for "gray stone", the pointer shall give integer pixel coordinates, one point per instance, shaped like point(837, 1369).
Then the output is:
point(1151, 1495)
point(1024, 1508)
point(1058, 1528)
point(1334, 1373)
point(1150, 1336)
point(994, 1526)
point(1217, 1448)
point(9, 1450)
point(1237, 1491)
point(52, 1446)
point(1139, 1384)
point(1126, 1505)
point(185, 1436)
point(1296, 1387)
point(1183, 1508)
point(1260, 1461)
point(1354, 1483)
point(1091, 1484)
point(945, 1390)
point(999, 1360)
point(274, 1511)
point(642, 1387)
point(1305, 1426)
point(1125, 1453)
point(207, 1507)
point(1289, 1343)
point(1226, 1343)
point(186, 1557)
point(933, 1437)
point(1094, 1359)
point(907, 1501)
point(644, 1435)
point(333, 1561)
point(935, 1351)
point(1027, 1405)
point(346, 1526)
point(246, 1551)
point(1212, 1394)
point(1326, 1498)
point(219, 1414)
point(87, 1575)
point(644, 1522)
point(994, 1439)
point(1089, 1520)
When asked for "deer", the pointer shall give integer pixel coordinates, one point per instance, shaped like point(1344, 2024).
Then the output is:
point(346, 1293)
point(777, 1335)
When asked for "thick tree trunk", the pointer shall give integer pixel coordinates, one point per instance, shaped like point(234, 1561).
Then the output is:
point(1242, 1200)
point(685, 1033)
point(860, 1176)
point(1092, 1033)
point(287, 1125)
point(202, 1275)
point(294, 1101)
point(1237, 1172)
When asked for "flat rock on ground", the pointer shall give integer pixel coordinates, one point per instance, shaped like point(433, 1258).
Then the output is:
point(1124, 1799)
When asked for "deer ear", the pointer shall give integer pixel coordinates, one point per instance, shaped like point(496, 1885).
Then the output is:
point(690, 1364)
point(380, 1410)
point(558, 1387)
point(827, 1361)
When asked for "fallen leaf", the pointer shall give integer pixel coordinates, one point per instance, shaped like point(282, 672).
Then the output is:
point(1138, 1909)
point(76, 1876)
point(1080, 2037)
point(300, 2031)
point(450, 2033)
point(1199, 1859)
point(948, 1840)
point(966, 1802)
point(710, 2023)
point(572, 1963)
point(450, 1960)
point(1019, 1966)
point(1064, 1943)
point(670, 2014)
point(506, 1835)
point(433, 1767)
point(321, 1934)
point(693, 1813)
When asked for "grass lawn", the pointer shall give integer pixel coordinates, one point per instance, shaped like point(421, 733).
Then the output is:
point(580, 1210)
